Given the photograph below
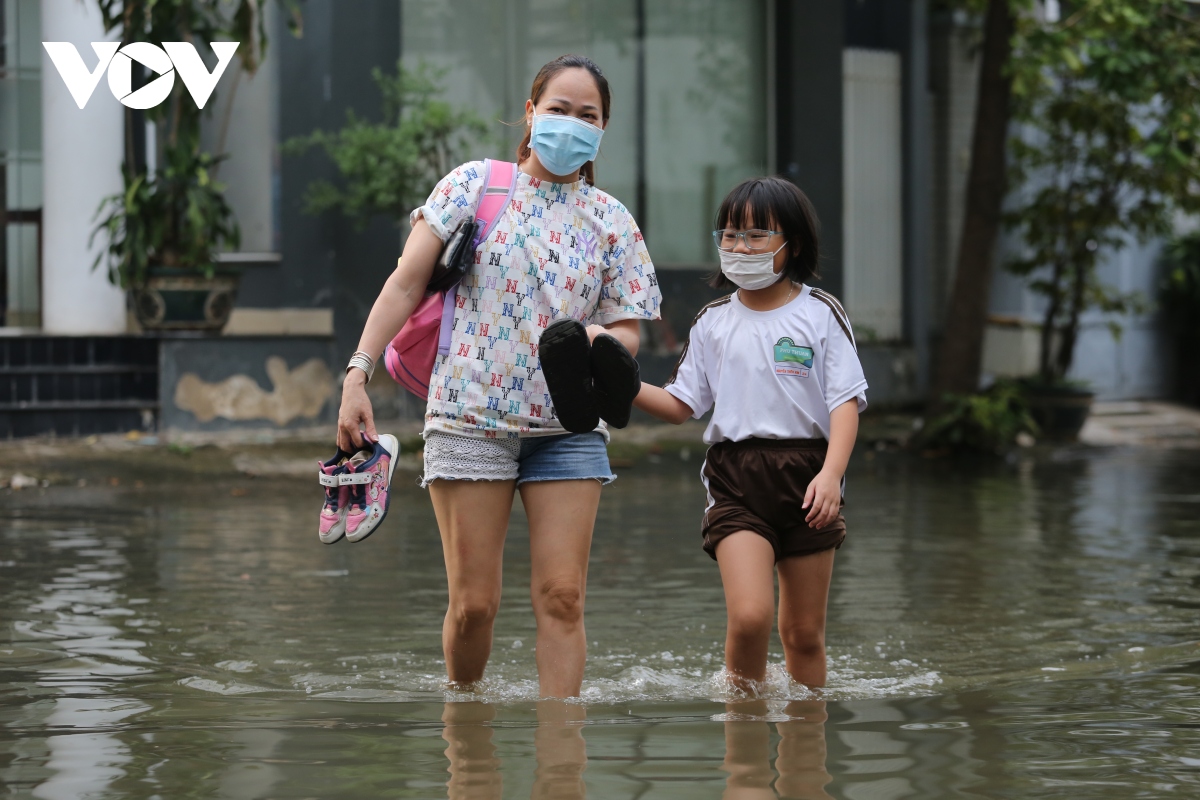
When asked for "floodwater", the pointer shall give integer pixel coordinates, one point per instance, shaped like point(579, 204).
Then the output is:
point(1016, 630)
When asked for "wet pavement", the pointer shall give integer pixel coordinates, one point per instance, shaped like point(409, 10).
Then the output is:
point(1142, 423)
point(1013, 628)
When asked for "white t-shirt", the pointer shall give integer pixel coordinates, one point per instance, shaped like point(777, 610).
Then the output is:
point(769, 374)
point(558, 249)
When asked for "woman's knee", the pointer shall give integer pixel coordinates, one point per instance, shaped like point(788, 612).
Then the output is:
point(560, 599)
point(471, 613)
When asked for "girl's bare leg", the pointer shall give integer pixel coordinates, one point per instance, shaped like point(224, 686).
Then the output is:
point(748, 753)
point(747, 563)
point(561, 515)
point(803, 597)
point(473, 519)
point(802, 752)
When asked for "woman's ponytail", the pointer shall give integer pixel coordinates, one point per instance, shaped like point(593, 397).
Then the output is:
point(588, 170)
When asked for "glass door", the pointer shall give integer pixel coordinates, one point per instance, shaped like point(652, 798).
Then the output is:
point(20, 164)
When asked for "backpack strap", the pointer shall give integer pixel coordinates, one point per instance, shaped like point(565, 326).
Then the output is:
point(499, 183)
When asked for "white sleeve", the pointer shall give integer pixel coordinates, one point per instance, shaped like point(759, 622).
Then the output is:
point(689, 382)
point(453, 200)
point(630, 289)
point(844, 378)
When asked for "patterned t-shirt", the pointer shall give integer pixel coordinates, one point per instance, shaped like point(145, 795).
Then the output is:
point(558, 248)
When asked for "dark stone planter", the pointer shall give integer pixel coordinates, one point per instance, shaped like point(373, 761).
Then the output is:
point(182, 300)
point(1060, 411)
point(1188, 371)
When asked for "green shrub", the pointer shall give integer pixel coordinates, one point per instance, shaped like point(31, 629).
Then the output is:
point(389, 167)
point(985, 422)
point(177, 218)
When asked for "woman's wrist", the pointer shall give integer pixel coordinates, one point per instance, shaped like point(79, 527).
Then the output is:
point(355, 376)
point(362, 360)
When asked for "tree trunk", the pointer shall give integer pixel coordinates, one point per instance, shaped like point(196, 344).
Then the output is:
point(1070, 333)
point(961, 352)
point(1049, 318)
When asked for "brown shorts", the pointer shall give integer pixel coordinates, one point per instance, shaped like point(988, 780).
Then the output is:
point(758, 485)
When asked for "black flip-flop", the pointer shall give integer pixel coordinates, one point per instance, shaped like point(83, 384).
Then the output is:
point(616, 380)
point(565, 355)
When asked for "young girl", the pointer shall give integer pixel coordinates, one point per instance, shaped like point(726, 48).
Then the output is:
point(776, 361)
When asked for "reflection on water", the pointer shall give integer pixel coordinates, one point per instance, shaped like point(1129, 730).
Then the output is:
point(474, 768)
point(753, 768)
point(802, 770)
point(1023, 630)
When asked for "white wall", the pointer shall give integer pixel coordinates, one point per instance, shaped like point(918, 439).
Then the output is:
point(1135, 365)
point(251, 172)
point(81, 154)
point(873, 200)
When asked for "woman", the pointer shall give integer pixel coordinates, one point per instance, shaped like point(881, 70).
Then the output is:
point(562, 247)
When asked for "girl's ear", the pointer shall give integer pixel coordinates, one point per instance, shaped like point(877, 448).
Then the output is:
point(528, 112)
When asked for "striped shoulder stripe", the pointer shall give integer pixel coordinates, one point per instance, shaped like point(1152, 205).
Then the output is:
point(839, 313)
point(831, 301)
point(720, 301)
point(687, 343)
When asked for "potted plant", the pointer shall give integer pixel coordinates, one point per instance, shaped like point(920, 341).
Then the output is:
point(164, 230)
point(163, 233)
point(1104, 155)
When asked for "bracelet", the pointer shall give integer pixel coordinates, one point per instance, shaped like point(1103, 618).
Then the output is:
point(363, 362)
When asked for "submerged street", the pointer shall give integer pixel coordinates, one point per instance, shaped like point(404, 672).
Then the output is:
point(1006, 629)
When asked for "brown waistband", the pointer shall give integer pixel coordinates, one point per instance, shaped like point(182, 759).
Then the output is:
point(775, 444)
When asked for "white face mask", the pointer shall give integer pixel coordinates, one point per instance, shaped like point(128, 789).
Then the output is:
point(750, 270)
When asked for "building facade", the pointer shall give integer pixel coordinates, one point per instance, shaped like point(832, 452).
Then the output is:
point(866, 104)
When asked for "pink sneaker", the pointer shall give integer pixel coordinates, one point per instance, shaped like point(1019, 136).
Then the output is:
point(368, 476)
point(332, 524)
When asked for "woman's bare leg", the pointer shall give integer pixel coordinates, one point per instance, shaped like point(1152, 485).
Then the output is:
point(561, 515)
point(560, 751)
point(473, 519)
point(474, 769)
point(803, 597)
point(747, 563)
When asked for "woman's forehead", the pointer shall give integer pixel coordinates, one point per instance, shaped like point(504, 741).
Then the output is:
point(575, 86)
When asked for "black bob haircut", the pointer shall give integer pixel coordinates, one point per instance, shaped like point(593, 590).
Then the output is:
point(774, 204)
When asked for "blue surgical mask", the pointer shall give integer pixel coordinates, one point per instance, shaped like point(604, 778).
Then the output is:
point(564, 144)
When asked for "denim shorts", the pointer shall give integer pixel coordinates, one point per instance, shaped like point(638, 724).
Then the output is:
point(562, 457)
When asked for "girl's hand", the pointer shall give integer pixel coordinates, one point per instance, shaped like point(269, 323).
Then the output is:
point(355, 411)
point(824, 494)
point(626, 331)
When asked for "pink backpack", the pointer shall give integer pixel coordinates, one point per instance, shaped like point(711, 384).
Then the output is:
point(410, 356)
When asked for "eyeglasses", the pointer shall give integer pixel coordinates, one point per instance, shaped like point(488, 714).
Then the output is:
point(754, 239)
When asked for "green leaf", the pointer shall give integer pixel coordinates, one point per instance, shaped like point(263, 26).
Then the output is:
point(388, 167)
point(1103, 146)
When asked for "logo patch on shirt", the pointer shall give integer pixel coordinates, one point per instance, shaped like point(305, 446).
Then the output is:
point(792, 359)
